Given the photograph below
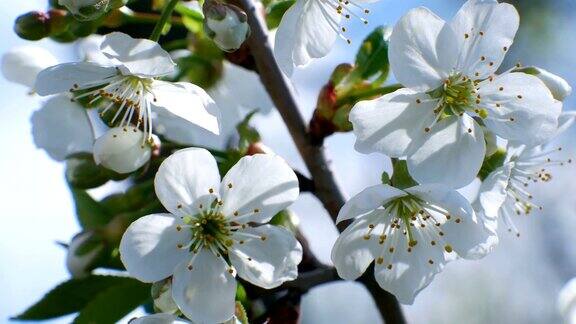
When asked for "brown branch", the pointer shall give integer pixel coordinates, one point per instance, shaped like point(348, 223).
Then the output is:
point(326, 187)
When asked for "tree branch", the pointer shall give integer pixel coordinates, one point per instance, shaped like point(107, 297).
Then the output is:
point(326, 187)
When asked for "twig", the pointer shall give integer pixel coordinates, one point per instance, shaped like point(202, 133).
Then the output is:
point(326, 188)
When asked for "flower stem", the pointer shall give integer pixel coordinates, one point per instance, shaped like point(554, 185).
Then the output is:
point(166, 14)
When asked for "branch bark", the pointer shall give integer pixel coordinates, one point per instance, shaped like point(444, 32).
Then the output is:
point(327, 189)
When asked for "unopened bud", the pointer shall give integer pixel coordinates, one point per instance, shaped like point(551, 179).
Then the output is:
point(83, 253)
point(226, 25)
point(162, 295)
point(558, 86)
point(122, 149)
point(33, 25)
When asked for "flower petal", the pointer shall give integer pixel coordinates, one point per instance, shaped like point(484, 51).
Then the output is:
point(63, 77)
point(258, 187)
point(352, 253)
point(415, 57)
point(206, 293)
point(463, 231)
point(23, 63)
point(452, 154)
point(565, 121)
point(185, 177)
point(483, 31)
point(307, 31)
point(492, 192)
point(367, 200)
point(521, 108)
point(139, 57)
point(179, 131)
point(160, 318)
point(410, 272)
point(149, 247)
point(62, 128)
point(392, 122)
point(266, 263)
point(187, 101)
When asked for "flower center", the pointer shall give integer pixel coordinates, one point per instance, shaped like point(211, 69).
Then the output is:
point(456, 96)
point(210, 229)
point(127, 99)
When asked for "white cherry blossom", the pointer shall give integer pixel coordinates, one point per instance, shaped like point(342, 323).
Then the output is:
point(410, 235)
point(567, 302)
point(505, 192)
point(309, 29)
point(452, 90)
point(129, 86)
point(215, 230)
point(165, 318)
point(21, 64)
point(122, 149)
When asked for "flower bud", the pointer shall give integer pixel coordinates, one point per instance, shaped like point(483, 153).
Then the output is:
point(162, 296)
point(33, 25)
point(122, 149)
point(86, 10)
point(226, 25)
point(558, 86)
point(83, 252)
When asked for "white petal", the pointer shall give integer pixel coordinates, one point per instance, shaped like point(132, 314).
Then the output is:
point(307, 31)
point(492, 192)
point(559, 87)
point(62, 128)
point(160, 318)
point(463, 232)
point(63, 77)
point(565, 121)
point(567, 301)
point(410, 272)
point(452, 154)
point(391, 123)
point(180, 131)
point(261, 186)
point(185, 177)
point(80, 266)
point(205, 294)
point(122, 149)
point(369, 199)
point(187, 101)
point(352, 253)
point(417, 60)
point(89, 50)
point(273, 260)
point(139, 57)
point(527, 114)
point(149, 247)
point(483, 31)
point(21, 64)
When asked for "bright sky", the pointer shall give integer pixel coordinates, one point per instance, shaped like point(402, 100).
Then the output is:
point(518, 283)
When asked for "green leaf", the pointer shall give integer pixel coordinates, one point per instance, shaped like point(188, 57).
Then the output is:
point(275, 12)
point(492, 163)
point(385, 178)
point(90, 213)
point(372, 58)
point(401, 178)
point(70, 297)
point(248, 134)
point(114, 303)
point(83, 173)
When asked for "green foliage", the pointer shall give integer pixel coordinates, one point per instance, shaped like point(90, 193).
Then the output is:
point(492, 163)
point(83, 173)
point(372, 57)
point(248, 134)
point(114, 303)
point(192, 19)
point(82, 295)
point(385, 178)
point(401, 178)
point(275, 11)
point(90, 213)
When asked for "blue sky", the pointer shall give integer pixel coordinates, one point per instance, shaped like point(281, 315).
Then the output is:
point(516, 284)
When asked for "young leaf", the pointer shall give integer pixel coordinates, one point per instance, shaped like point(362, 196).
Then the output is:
point(275, 12)
point(89, 212)
point(114, 303)
point(372, 57)
point(70, 297)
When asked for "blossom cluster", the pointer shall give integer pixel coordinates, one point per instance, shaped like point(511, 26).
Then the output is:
point(129, 110)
